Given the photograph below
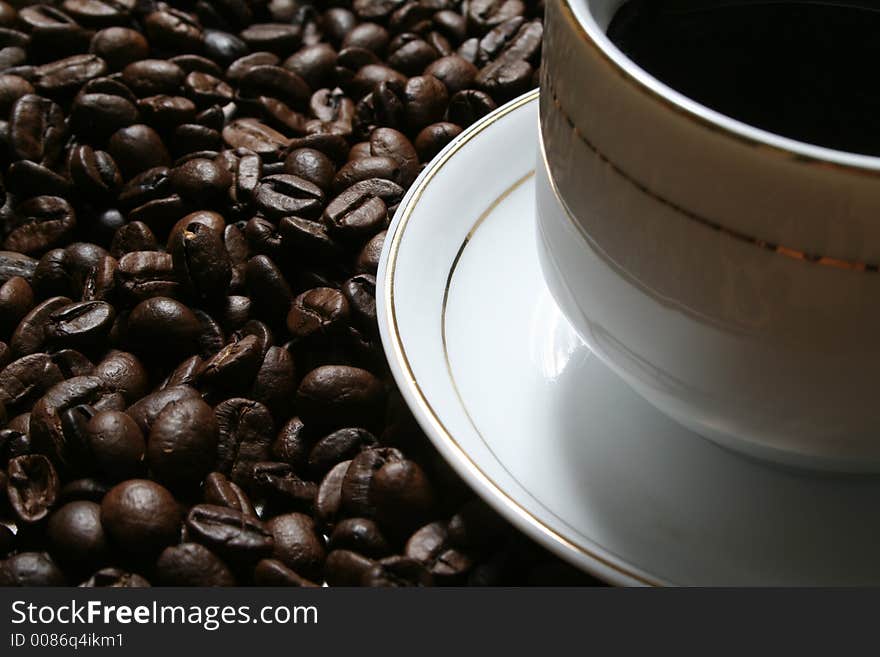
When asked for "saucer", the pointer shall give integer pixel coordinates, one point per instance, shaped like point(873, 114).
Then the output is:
point(548, 435)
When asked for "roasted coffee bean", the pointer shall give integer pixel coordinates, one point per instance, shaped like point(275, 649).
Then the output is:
point(314, 64)
point(31, 569)
point(369, 76)
point(397, 571)
point(402, 495)
point(231, 534)
point(411, 54)
point(340, 395)
point(297, 545)
point(276, 38)
point(32, 487)
point(72, 363)
point(36, 130)
point(332, 105)
point(182, 443)
point(66, 76)
point(140, 516)
point(241, 65)
point(142, 275)
point(269, 290)
point(31, 179)
point(484, 14)
point(166, 112)
point(76, 536)
point(234, 367)
point(263, 238)
point(212, 220)
point(122, 372)
point(119, 46)
point(394, 144)
point(368, 259)
point(96, 116)
point(133, 236)
point(454, 72)
point(360, 535)
point(280, 486)
point(94, 173)
point(276, 82)
point(173, 30)
point(137, 148)
point(191, 564)
point(341, 445)
point(346, 568)
point(30, 334)
point(115, 578)
point(256, 136)
point(284, 194)
point(99, 12)
point(468, 106)
point(115, 444)
point(16, 299)
point(164, 327)
point(271, 572)
point(200, 260)
point(365, 168)
point(358, 480)
point(308, 239)
point(44, 222)
point(149, 77)
point(318, 313)
point(292, 444)
point(430, 546)
point(86, 489)
point(223, 47)
point(245, 437)
point(275, 383)
point(310, 165)
point(81, 325)
point(14, 264)
point(154, 183)
point(219, 491)
point(361, 211)
point(433, 138)
point(505, 79)
point(147, 409)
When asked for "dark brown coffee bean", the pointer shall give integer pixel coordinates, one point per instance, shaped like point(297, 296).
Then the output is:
point(368, 259)
point(276, 38)
point(99, 115)
point(402, 495)
point(80, 325)
point(32, 487)
point(269, 290)
point(256, 136)
point(360, 535)
point(99, 12)
point(454, 72)
point(182, 443)
point(433, 138)
point(297, 545)
point(346, 568)
point(119, 46)
point(505, 79)
point(164, 327)
point(271, 572)
point(397, 571)
point(137, 148)
point(360, 291)
point(44, 222)
point(276, 82)
point(308, 240)
point(31, 179)
point(166, 112)
point(231, 534)
point(145, 411)
point(191, 564)
point(357, 483)
point(174, 30)
point(201, 262)
point(142, 275)
point(31, 569)
point(318, 313)
point(223, 47)
point(206, 90)
point(30, 334)
point(149, 77)
point(485, 14)
point(292, 444)
point(275, 383)
point(94, 173)
point(365, 168)
point(241, 65)
point(340, 396)
point(425, 100)
point(116, 444)
point(76, 536)
point(25, 380)
point(328, 499)
point(410, 54)
point(311, 165)
point(361, 211)
point(122, 372)
point(332, 105)
point(115, 578)
point(245, 437)
point(134, 236)
point(65, 76)
point(36, 129)
point(314, 64)
point(391, 143)
point(284, 194)
point(431, 547)
point(219, 491)
point(141, 516)
point(370, 75)
point(282, 488)
point(341, 445)
point(16, 299)
point(12, 88)
point(234, 367)
point(212, 220)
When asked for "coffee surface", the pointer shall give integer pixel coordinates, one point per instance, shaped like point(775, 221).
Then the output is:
point(798, 69)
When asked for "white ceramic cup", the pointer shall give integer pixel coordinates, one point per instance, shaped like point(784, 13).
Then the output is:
point(729, 275)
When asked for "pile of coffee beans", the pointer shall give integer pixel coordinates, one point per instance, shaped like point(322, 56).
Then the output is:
point(194, 199)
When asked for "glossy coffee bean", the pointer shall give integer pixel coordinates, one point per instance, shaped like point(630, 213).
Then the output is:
point(32, 487)
point(182, 443)
point(191, 564)
point(272, 572)
point(140, 516)
point(297, 545)
point(360, 535)
point(397, 571)
point(229, 533)
point(340, 395)
point(31, 569)
point(77, 537)
point(116, 444)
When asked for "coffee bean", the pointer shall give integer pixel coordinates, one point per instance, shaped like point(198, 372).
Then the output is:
point(165, 112)
point(368, 259)
point(297, 545)
point(256, 136)
point(276, 38)
point(231, 534)
point(308, 239)
point(164, 327)
point(119, 46)
point(191, 564)
point(505, 79)
point(328, 499)
point(310, 165)
point(361, 211)
point(115, 578)
point(16, 299)
point(174, 30)
point(30, 334)
point(360, 535)
point(32, 487)
point(95, 173)
point(245, 437)
point(44, 222)
point(411, 54)
point(454, 72)
point(341, 396)
point(317, 312)
point(150, 77)
point(140, 516)
point(484, 14)
point(142, 275)
point(115, 443)
point(397, 571)
point(468, 106)
point(433, 138)
point(31, 569)
point(282, 488)
point(271, 572)
point(145, 411)
point(284, 194)
point(275, 383)
point(77, 537)
point(201, 261)
point(276, 82)
point(182, 443)
point(219, 491)
point(314, 64)
point(137, 148)
point(12, 88)
point(430, 546)
point(122, 372)
point(36, 129)
point(223, 47)
point(358, 480)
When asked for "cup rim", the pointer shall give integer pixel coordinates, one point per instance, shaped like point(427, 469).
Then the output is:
point(590, 32)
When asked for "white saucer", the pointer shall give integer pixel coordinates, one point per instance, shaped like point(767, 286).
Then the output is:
point(538, 426)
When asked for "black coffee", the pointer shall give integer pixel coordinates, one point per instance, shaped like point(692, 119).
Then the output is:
point(798, 69)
